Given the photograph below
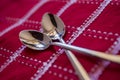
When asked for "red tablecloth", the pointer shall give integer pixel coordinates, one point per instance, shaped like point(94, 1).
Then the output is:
point(92, 24)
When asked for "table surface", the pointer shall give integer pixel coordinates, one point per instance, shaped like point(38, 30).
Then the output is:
point(92, 24)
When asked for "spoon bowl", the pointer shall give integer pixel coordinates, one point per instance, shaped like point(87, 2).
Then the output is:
point(53, 26)
point(34, 39)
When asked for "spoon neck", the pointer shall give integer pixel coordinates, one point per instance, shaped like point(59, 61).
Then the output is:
point(61, 40)
point(57, 36)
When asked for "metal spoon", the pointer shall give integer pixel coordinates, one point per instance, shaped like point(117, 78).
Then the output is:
point(54, 28)
point(39, 41)
point(56, 31)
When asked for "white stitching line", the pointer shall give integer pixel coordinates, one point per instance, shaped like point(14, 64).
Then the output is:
point(6, 50)
point(97, 70)
point(20, 61)
point(60, 75)
point(99, 37)
point(11, 19)
point(96, 36)
point(27, 64)
point(4, 56)
point(89, 2)
point(107, 35)
point(23, 62)
point(12, 58)
point(103, 32)
point(98, 2)
point(25, 57)
point(41, 71)
point(70, 71)
point(91, 18)
point(65, 7)
point(25, 17)
point(113, 2)
point(31, 59)
point(35, 60)
point(63, 69)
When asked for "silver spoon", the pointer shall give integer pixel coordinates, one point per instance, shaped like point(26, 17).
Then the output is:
point(39, 41)
point(54, 28)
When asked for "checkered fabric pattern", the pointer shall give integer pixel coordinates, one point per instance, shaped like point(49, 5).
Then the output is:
point(92, 24)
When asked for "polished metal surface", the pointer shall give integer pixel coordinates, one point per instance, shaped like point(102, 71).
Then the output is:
point(101, 55)
point(54, 27)
point(34, 39)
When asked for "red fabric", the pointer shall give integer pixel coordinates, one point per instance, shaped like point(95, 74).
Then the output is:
point(102, 35)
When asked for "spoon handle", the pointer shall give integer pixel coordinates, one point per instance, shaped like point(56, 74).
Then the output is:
point(102, 55)
point(81, 72)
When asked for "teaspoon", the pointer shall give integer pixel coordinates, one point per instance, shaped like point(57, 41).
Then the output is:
point(40, 41)
point(55, 29)
point(53, 26)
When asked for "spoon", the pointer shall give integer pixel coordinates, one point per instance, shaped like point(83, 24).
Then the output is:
point(40, 41)
point(54, 28)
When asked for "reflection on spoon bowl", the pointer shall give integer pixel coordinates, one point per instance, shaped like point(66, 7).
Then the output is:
point(34, 39)
point(53, 26)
